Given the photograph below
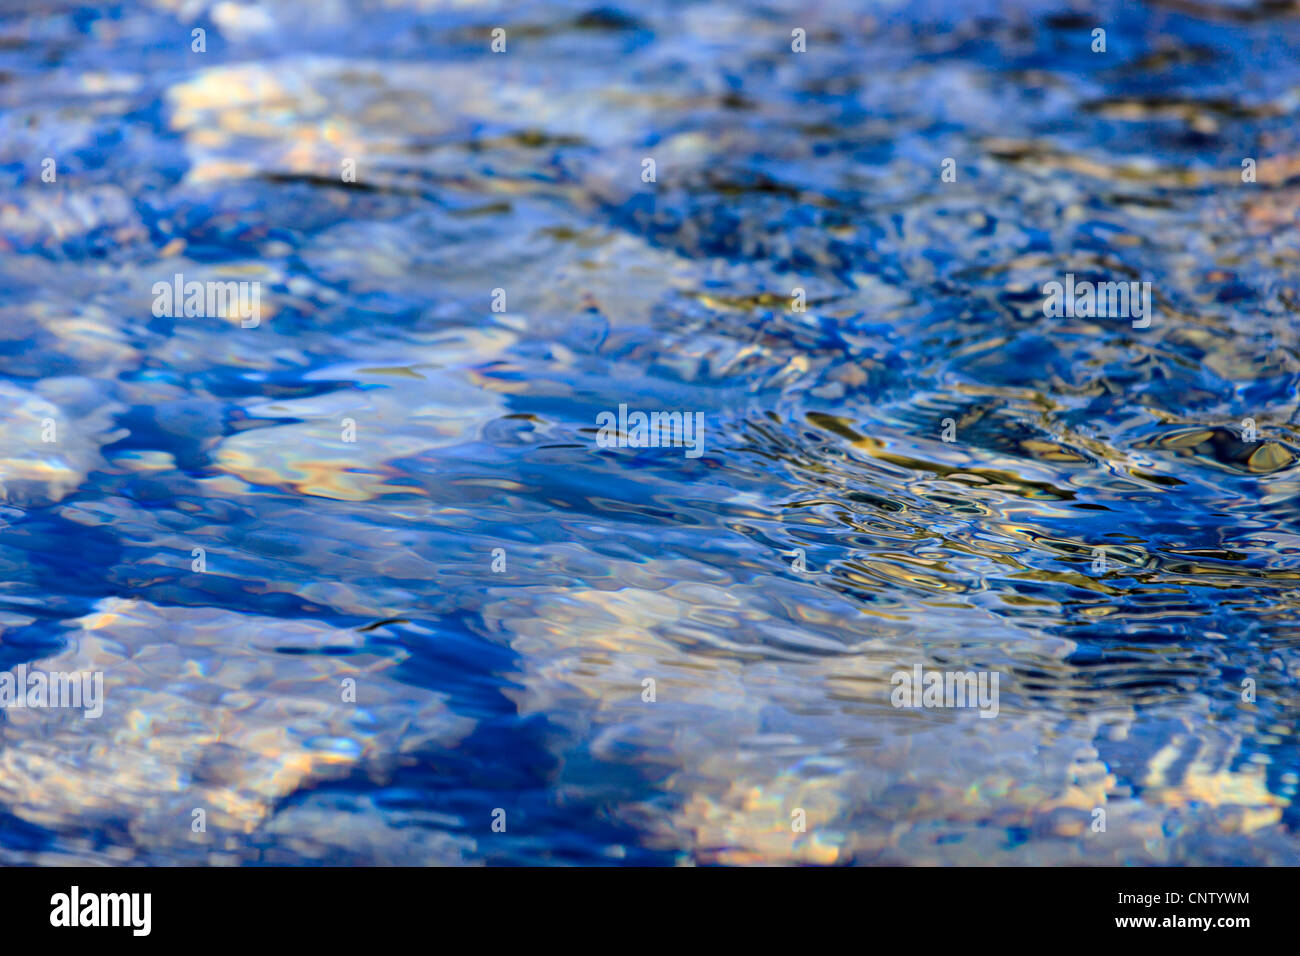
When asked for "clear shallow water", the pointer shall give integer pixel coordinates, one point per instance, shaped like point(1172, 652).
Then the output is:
point(521, 689)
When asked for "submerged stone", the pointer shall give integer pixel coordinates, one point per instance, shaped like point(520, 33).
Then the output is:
point(44, 455)
point(205, 709)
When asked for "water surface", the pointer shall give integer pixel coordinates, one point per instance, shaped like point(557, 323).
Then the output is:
point(532, 580)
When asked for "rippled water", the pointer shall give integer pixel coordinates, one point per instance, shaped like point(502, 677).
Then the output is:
point(1100, 531)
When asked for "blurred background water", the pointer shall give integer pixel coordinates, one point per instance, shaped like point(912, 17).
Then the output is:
point(520, 689)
